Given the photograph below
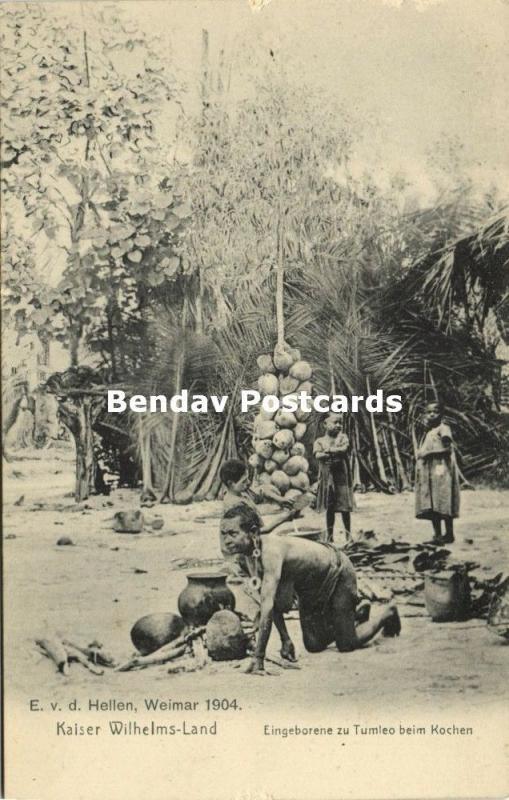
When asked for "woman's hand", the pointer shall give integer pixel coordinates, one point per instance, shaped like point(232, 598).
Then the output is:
point(288, 652)
point(256, 667)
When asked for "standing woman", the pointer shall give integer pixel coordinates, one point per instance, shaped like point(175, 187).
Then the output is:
point(437, 488)
point(335, 493)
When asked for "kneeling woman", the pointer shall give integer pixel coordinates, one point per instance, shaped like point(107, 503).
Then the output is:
point(319, 573)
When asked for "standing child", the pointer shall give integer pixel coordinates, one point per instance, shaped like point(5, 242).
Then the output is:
point(437, 488)
point(335, 492)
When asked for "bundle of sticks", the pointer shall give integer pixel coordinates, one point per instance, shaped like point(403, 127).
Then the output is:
point(64, 652)
point(188, 650)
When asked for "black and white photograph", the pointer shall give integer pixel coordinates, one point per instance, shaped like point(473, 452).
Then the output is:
point(255, 399)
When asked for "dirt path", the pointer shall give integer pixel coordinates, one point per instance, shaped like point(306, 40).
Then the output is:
point(99, 587)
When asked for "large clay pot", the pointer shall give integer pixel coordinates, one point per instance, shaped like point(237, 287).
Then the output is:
point(155, 630)
point(204, 594)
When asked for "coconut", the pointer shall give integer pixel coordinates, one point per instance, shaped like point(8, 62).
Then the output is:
point(296, 464)
point(301, 370)
point(292, 466)
point(286, 398)
point(282, 359)
point(270, 465)
point(285, 419)
point(301, 415)
point(298, 449)
point(287, 384)
point(292, 494)
point(280, 456)
point(264, 477)
point(255, 461)
point(153, 631)
point(283, 439)
point(305, 386)
point(264, 414)
point(226, 639)
point(264, 428)
point(300, 481)
point(265, 363)
point(280, 480)
point(268, 384)
point(299, 431)
point(295, 353)
point(263, 447)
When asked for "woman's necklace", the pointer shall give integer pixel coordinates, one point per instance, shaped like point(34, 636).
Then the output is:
point(255, 580)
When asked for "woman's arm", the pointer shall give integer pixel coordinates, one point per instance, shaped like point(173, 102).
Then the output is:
point(442, 449)
point(341, 445)
point(319, 453)
point(266, 493)
point(272, 567)
point(278, 520)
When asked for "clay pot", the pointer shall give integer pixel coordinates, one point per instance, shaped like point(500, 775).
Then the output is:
point(447, 596)
point(225, 638)
point(155, 630)
point(204, 594)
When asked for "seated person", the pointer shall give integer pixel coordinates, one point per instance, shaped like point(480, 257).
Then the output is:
point(320, 575)
point(235, 476)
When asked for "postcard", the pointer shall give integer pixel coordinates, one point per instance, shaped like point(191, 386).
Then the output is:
point(255, 399)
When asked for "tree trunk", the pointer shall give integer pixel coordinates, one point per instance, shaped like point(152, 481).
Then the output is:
point(85, 461)
point(388, 460)
point(356, 472)
point(415, 445)
point(110, 312)
point(78, 419)
point(144, 437)
point(168, 493)
point(403, 478)
point(199, 303)
point(280, 280)
point(74, 343)
point(376, 444)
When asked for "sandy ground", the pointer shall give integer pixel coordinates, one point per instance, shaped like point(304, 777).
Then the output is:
point(94, 590)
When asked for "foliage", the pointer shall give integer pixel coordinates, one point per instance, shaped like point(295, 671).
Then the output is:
point(80, 154)
point(168, 272)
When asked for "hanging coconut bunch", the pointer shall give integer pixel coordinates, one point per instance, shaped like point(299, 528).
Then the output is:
point(279, 455)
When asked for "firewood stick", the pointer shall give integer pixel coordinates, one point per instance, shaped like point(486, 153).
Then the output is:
point(184, 664)
point(200, 652)
point(161, 656)
point(76, 655)
point(94, 654)
point(284, 664)
point(166, 652)
point(54, 649)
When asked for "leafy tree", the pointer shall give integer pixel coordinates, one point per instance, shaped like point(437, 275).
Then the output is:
point(81, 154)
point(83, 160)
